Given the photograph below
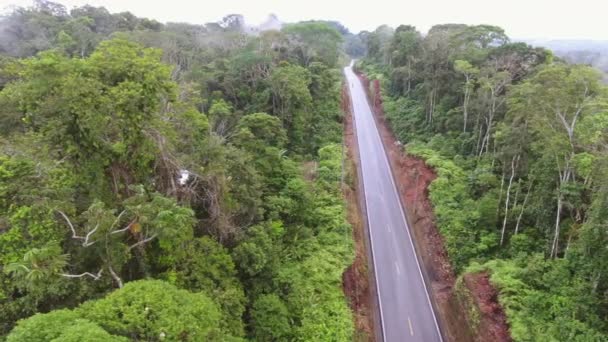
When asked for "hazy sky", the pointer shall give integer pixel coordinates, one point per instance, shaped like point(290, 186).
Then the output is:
point(580, 19)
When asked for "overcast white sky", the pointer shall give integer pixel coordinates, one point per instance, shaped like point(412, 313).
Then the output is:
point(576, 19)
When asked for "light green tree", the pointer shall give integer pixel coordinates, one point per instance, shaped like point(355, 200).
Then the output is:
point(554, 101)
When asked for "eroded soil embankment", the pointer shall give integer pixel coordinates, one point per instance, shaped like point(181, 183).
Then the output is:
point(479, 299)
point(413, 178)
point(356, 282)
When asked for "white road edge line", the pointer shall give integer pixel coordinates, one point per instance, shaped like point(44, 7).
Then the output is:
point(369, 227)
point(428, 298)
point(409, 321)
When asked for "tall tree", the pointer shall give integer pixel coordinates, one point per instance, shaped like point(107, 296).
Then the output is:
point(469, 72)
point(556, 99)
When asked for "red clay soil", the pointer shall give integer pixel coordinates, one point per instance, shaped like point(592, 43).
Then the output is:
point(413, 178)
point(355, 280)
point(493, 319)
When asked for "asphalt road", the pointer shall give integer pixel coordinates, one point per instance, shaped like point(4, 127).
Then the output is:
point(406, 313)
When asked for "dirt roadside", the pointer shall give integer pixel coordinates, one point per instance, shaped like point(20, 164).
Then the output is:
point(480, 319)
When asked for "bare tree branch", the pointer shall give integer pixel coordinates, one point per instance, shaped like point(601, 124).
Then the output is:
point(85, 274)
point(115, 276)
point(117, 219)
point(86, 242)
point(74, 235)
point(523, 206)
point(86, 238)
point(125, 228)
point(142, 242)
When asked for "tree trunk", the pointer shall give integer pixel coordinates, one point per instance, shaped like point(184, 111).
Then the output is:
point(564, 177)
point(409, 76)
point(115, 276)
point(490, 121)
point(554, 245)
point(479, 136)
point(504, 222)
point(465, 105)
point(485, 141)
point(523, 207)
point(516, 198)
point(429, 117)
point(568, 246)
point(502, 184)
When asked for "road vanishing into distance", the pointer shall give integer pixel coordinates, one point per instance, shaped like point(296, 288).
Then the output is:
point(406, 313)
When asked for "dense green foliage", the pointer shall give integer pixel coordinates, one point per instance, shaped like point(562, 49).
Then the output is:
point(169, 181)
point(142, 310)
point(518, 139)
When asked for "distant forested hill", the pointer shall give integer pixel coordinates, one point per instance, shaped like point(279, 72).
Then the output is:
point(589, 52)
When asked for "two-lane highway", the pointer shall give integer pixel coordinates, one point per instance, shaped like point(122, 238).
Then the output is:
point(406, 313)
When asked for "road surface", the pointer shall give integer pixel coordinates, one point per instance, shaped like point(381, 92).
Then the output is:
point(406, 313)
